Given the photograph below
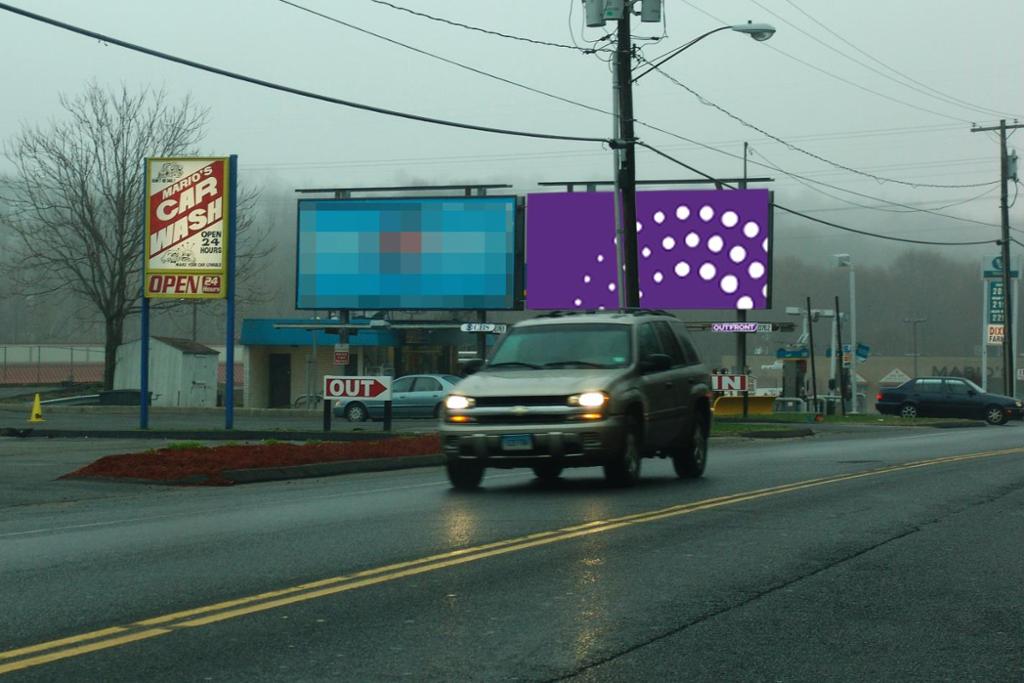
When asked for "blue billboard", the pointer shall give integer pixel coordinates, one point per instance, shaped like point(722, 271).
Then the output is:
point(406, 253)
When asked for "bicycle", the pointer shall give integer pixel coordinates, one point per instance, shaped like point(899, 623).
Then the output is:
point(308, 402)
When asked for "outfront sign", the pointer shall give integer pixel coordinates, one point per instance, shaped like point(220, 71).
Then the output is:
point(734, 327)
point(378, 388)
point(186, 228)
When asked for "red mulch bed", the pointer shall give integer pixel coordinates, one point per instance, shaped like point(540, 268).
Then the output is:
point(175, 464)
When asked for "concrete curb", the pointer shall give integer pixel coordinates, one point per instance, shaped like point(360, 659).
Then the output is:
point(218, 435)
point(338, 467)
point(22, 406)
point(327, 469)
point(778, 434)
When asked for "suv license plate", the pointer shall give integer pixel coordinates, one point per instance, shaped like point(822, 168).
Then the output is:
point(516, 442)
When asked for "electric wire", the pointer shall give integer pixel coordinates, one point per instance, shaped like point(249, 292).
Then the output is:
point(801, 214)
point(480, 72)
point(904, 208)
point(964, 103)
point(791, 173)
point(916, 88)
point(458, 24)
point(796, 148)
point(840, 78)
point(288, 89)
point(452, 62)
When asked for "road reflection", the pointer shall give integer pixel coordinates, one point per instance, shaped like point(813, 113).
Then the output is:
point(591, 622)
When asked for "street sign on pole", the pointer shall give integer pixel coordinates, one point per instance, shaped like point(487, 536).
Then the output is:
point(341, 354)
point(495, 328)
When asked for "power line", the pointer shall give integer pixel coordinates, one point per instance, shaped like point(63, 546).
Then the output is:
point(458, 24)
point(840, 78)
point(796, 148)
point(288, 89)
point(788, 173)
point(942, 98)
point(818, 220)
point(965, 103)
point(458, 64)
point(907, 208)
point(444, 59)
point(295, 91)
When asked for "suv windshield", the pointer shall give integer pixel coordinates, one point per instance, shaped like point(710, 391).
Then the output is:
point(594, 345)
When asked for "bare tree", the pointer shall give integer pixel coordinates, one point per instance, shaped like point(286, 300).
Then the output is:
point(75, 202)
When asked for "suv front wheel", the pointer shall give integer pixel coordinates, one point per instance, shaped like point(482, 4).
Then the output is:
point(625, 470)
point(465, 476)
point(691, 458)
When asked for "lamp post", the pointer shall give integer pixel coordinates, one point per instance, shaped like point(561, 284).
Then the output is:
point(846, 261)
point(914, 322)
point(624, 145)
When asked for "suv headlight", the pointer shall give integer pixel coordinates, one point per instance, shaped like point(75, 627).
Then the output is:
point(589, 399)
point(458, 402)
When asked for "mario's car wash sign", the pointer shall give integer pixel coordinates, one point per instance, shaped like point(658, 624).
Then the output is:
point(186, 228)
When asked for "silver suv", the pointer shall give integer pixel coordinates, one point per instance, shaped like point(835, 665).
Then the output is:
point(580, 389)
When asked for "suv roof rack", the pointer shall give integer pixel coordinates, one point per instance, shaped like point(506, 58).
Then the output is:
point(618, 311)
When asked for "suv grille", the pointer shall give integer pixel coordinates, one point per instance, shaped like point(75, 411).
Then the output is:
point(510, 419)
point(499, 401)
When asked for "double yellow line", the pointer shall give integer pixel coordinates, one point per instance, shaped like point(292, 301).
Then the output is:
point(73, 646)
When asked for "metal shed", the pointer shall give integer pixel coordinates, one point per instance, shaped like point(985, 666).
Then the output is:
point(181, 372)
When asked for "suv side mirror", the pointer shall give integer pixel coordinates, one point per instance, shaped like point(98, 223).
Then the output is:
point(655, 362)
point(469, 367)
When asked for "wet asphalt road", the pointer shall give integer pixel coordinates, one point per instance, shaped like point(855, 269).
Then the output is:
point(870, 556)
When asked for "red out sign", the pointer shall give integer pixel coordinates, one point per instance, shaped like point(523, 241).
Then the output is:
point(378, 388)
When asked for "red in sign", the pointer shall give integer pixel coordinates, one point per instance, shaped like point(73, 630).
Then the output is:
point(353, 387)
point(728, 382)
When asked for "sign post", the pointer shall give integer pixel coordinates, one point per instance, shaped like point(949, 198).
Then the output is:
point(377, 388)
point(188, 242)
point(993, 330)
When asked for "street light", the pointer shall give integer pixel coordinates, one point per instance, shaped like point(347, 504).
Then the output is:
point(846, 261)
point(914, 322)
point(759, 32)
point(624, 144)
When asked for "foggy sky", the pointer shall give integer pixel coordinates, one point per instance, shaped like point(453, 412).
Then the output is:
point(967, 51)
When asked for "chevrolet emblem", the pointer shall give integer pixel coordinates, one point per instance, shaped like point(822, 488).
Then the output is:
point(520, 410)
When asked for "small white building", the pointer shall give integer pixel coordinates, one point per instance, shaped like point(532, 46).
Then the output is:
point(181, 372)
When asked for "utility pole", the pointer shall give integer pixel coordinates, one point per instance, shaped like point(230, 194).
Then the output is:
point(810, 341)
point(838, 350)
point(1009, 384)
point(741, 316)
point(625, 176)
point(624, 143)
point(914, 322)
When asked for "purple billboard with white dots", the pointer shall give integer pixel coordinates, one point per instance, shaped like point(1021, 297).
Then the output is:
point(696, 249)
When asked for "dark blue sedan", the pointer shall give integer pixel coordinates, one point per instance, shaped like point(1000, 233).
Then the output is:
point(947, 397)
